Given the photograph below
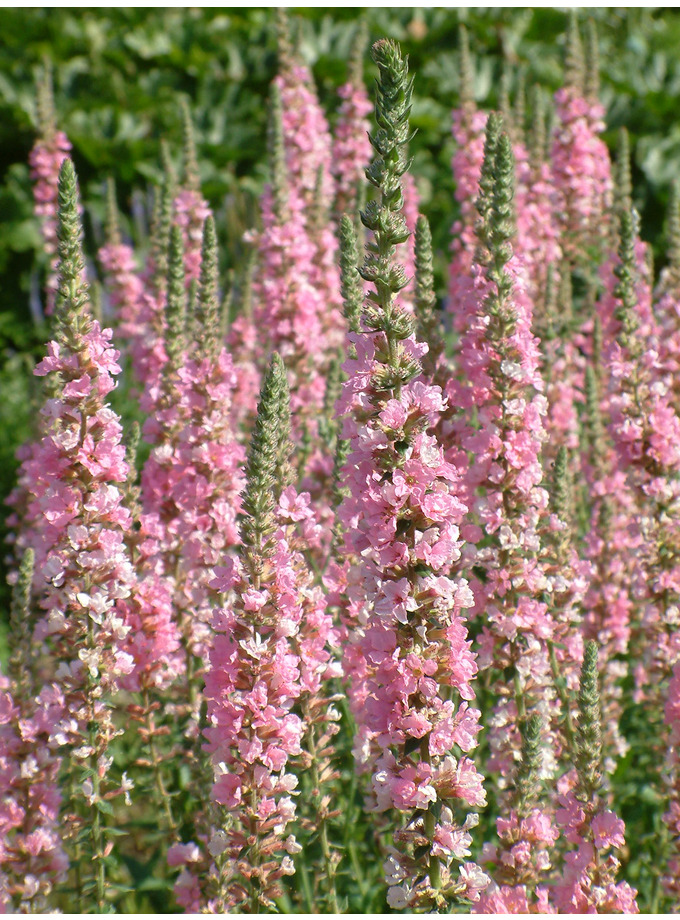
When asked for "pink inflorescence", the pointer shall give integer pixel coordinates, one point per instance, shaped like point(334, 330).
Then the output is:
point(32, 857)
point(124, 286)
point(411, 640)
point(256, 675)
point(46, 158)
point(190, 490)
point(581, 171)
point(351, 146)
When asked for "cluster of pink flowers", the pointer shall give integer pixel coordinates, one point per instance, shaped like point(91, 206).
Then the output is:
point(32, 856)
point(581, 171)
point(391, 560)
point(589, 882)
point(352, 149)
point(190, 486)
point(268, 654)
point(46, 157)
point(410, 639)
point(122, 281)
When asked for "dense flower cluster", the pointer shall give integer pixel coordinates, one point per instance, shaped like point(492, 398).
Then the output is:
point(401, 618)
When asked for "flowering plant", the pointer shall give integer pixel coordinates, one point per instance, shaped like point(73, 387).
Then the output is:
point(392, 621)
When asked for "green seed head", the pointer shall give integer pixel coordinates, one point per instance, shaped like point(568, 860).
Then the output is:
point(574, 64)
point(176, 306)
point(71, 313)
point(528, 776)
point(189, 157)
point(350, 280)
point(207, 320)
point(589, 735)
point(268, 469)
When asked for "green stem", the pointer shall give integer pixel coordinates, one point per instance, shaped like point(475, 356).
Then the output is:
point(321, 817)
point(96, 827)
point(435, 867)
point(564, 699)
point(156, 763)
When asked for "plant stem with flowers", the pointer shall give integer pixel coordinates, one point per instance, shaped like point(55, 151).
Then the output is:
point(408, 659)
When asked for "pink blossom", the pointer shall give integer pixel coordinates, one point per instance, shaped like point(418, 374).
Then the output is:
point(46, 158)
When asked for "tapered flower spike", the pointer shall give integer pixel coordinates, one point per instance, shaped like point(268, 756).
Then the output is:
point(254, 737)
point(82, 562)
point(350, 279)
point(132, 440)
point(206, 317)
point(468, 133)
point(46, 157)
point(122, 281)
point(595, 425)
point(581, 168)
point(70, 311)
point(351, 147)
point(588, 883)
point(355, 67)
point(176, 307)
point(278, 171)
point(574, 64)
point(504, 106)
point(466, 91)
point(425, 297)
point(562, 500)
point(623, 185)
point(266, 469)
point(168, 168)
point(526, 836)
point(528, 774)
point(45, 109)
point(483, 203)
point(191, 178)
point(190, 209)
point(589, 732)
point(499, 231)
point(160, 233)
point(592, 63)
point(284, 44)
point(112, 217)
point(501, 420)
point(626, 273)
point(405, 588)
point(425, 300)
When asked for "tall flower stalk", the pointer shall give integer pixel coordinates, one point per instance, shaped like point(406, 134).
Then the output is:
point(411, 663)
point(589, 883)
point(46, 157)
point(85, 571)
point(254, 679)
point(502, 388)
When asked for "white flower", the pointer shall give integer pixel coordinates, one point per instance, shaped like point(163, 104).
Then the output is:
point(88, 791)
point(292, 846)
point(126, 785)
point(90, 658)
point(398, 896)
point(511, 369)
point(218, 843)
